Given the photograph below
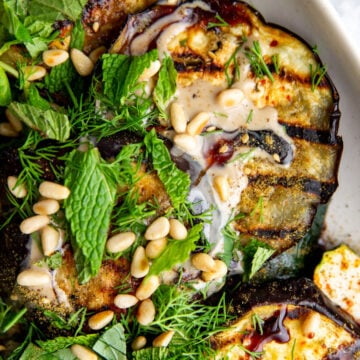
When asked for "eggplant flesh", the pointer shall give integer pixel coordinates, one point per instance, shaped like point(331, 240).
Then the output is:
point(282, 318)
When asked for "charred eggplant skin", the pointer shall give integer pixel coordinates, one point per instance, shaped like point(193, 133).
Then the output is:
point(301, 292)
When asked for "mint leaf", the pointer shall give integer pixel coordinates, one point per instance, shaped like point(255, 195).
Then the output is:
point(5, 90)
point(176, 252)
point(31, 352)
point(176, 182)
point(50, 123)
point(88, 208)
point(15, 26)
point(35, 99)
point(112, 345)
point(62, 342)
point(77, 36)
point(60, 76)
point(261, 255)
point(57, 10)
point(166, 85)
point(121, 73)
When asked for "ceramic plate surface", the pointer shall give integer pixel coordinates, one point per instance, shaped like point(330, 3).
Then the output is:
point(317, 22)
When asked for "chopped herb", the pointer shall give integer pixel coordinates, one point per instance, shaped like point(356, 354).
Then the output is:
point(243, 156)
point(253, 354)
point(9, 317)
point(250, 116)
point(259, 207)
point(293, 350)
point(316, 75)
point(183, 42)
point(232, 62)
point(221, 22)
point(257, 323)
point(276, 62)
point(257, 62)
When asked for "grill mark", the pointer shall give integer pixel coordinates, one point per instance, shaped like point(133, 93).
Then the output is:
point(323, 190)
point(275, 234)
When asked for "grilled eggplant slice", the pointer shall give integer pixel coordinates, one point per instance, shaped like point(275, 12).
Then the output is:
point(289, 113)
point(287, 320)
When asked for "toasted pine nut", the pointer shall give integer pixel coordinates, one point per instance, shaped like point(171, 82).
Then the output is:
point(96, 26)
point(197, 123)
point(33, 277)
point(219, 272)
point(311, 324)
point(185, 142)
point(34, 223)
point(6, 129)
point(155, 248)
point(54, 57)
point(2, 347)
point(96, 53)
point(50, 238)
point(245, 138)
point(178, 230)
point(18, 191)
point(222, 187)
point(230, 97)
point(82, 63)
point(33, 73)
point(138, 343)
point(46, 207)
point(157, 229)
point(146, 312)
point(124, 301)
point(147, 287)
point(163, 339)
point(276, 157)
point(100, 320)
point(83, 353)
point(14, 121)
point(140, 264)
point(120, 242)
point(150, 71)
point(53, 190)
point(178, 117)
point(203, 262)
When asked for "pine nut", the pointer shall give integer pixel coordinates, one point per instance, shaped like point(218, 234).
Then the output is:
point(33, 277)
point(219, 272)
point(163, 339)
point(185, 142)
point(95, 55)
point(33, 73)
point(140, 264)
point(158, 229)
point(138, 343)
point(150, 71)
point(203, 262)
point(100, 320)
point(34, 223)
point(82, 63)
point(54, 57)
point(276, 157)
point(178, 117)
point(125, 301)
point(155, 248)
point(83, 353)
point(18, 191)
point(146, 312)
point(197, 123)
point(147, 287)
point(7, 130)
point(120, 242)
point(95, 26)
point(46, 207)
point(230, 97)
point(14, 121)
point(311, 324)
point(50, 239)
point(178, 230)
point(222, 187)
point(53, 190)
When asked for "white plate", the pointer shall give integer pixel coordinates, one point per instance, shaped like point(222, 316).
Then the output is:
point(317, 22)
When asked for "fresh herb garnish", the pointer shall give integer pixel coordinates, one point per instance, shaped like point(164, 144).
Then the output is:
point(93, 192)
point(221, 22)
point(257, 62)
point(9, 317)
point(316, 75)
point(257, 323)
point(276, 62)
point(230, 64)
